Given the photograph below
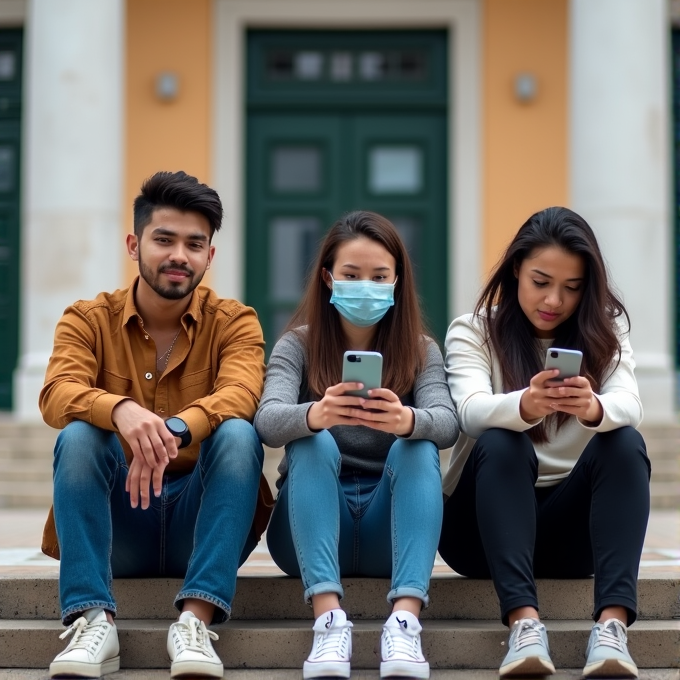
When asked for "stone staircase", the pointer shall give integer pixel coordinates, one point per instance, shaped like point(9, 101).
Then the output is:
point(271, 627)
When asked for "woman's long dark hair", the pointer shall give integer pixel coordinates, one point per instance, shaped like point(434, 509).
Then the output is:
point(591, 328)
point(399, 333)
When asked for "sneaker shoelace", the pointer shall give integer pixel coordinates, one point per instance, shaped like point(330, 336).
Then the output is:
point(612, 634)
point(333, 641)
point(398, 642)
point(528, 633)
point(86, 635)
point(194, 636)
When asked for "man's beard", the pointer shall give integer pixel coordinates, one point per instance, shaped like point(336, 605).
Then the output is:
point(175, 290)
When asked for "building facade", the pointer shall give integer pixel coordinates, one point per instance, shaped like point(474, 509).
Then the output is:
point(456, 118)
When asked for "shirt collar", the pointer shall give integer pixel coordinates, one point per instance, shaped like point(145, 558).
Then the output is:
point(130, 310)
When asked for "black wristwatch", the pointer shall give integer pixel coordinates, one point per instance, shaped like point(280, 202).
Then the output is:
point(179, 428)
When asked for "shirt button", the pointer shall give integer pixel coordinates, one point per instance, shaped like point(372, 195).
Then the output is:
point(148, 376)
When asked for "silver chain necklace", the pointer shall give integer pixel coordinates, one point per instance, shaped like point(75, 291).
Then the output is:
point(167, 352)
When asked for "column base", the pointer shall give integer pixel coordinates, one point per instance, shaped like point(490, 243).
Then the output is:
point(658, 394)
point(29, 378)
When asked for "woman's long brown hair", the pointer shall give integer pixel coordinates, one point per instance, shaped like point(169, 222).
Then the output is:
point(400, 332)
point(591, 328)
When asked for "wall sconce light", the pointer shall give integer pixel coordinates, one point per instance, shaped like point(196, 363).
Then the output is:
point(525, 87)
point(167, 86)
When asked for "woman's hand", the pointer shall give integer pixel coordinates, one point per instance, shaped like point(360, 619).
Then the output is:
point(385, 412)
point(335, 408)
point(575, 396)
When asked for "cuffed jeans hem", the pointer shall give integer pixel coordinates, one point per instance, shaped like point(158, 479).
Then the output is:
point(409, 591)
point(222, 609)
point(322, 588)
point(630, 605)
point(515, 603)
point(68, 616)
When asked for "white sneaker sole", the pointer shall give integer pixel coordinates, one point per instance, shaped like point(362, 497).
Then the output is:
point(201, 669)
point(405, 669)
point(530, 665)
point(81, 669)
point(610, 668)
point(325, 669)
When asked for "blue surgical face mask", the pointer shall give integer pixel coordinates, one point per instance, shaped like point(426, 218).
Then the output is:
point(362, 303)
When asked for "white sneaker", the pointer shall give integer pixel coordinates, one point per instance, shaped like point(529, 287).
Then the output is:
point(332, 647)
point(92, 652)
point(190, 649)
point(400, 649)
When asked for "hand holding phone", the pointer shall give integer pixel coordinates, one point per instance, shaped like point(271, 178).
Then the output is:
point(567, 361)
point(362, 367)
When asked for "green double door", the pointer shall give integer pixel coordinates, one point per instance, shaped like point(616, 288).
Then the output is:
point(307, 165)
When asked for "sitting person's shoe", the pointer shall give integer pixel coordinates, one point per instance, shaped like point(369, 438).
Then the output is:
point(528, 651)
point(332, 647)
point(607, 652)
point(190, 649)
point(93, 650)
point(400, 651)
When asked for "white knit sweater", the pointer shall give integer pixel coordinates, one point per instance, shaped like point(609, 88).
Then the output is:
point(474, 377)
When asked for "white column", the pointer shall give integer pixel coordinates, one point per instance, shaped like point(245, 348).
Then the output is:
point(620, 169)
point(73, 164)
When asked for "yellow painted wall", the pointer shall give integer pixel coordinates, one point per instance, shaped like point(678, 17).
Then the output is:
point(166, 35)
point(525, 145)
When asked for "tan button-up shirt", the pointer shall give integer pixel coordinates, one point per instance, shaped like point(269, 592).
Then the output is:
point(102, 355)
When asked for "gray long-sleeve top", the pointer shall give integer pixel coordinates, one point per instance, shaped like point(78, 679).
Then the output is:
point(282, 416)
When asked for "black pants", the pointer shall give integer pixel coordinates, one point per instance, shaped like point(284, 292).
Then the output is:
point(498, 525)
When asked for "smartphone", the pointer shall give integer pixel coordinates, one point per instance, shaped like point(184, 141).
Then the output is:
point(363, 367)
point(568, 361)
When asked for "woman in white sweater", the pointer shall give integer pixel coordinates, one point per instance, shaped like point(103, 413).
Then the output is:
point(548, 480)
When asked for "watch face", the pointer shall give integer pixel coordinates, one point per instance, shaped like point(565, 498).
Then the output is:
point(176, 425)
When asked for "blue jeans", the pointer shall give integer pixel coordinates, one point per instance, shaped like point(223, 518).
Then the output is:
point(326, 525)
point(199, 529)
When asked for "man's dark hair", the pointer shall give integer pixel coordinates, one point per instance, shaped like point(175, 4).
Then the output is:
point(179, 191)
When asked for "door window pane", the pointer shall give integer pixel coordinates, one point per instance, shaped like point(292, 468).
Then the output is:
point(8, 65)
point(296, 168)
point(6, 168)
point(309, 65)
point(292, 246)
point(395, 170)
point(372, 65)
point(410, 229)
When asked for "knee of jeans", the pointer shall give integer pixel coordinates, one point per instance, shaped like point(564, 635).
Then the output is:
point(318, 451)
point(413, 456)
point(623, 446)
point(234, 443)
point(82, 448)
point(504, 449)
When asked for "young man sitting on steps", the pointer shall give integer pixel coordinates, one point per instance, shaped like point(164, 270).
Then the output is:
point(157, 469)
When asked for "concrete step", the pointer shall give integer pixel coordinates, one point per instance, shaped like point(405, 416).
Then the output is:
point(25, 596)
point(22, 470)
point(666, 470)
point(15, 494)
point(357, 674)
point(285, 644)
point(665, 495)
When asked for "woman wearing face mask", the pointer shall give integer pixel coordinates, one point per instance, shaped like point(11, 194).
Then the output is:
point(360, 486)
point(548, 481)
